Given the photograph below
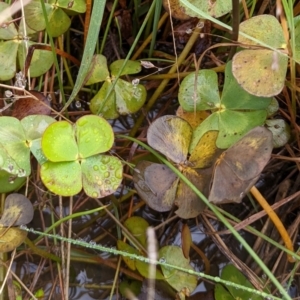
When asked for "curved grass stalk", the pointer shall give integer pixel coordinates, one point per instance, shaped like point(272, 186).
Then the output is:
point(161, 263)
point(264, 268)
point(274, 218)
point(259, 234)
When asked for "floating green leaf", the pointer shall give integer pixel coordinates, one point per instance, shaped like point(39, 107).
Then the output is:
point(128, 249)
point(9, 183)
point(55, 139)
point(261, 72)
point(74, 159)
point(101, 175)
point(138, 227)
point(199, 91)
point(234, 114)
point(17, 139)
point(215, 8)
point(124, 98)
point(131, 67)
point(99, 71)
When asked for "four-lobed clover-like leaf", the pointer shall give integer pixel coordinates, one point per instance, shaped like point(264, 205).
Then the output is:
point(233, 114)
point(17, 139)
point(13, 51)
point(74, 159)
point(116, 96)
point(158, 185)
point(57, 12)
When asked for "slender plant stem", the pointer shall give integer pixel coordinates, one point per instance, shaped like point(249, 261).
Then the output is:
point(274, 218)
point(235, 26)
point(164, 83)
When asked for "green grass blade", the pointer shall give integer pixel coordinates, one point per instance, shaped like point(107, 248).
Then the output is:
point(89, 49)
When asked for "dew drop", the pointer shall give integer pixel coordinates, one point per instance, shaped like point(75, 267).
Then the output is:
point(200, 24)
point(81, 122)
point(162, 260)
point(78, 104)
point(21, 172)
point(105, 159)
point(106, 174)
point(135, 82)
point(8, 94)
point(119, 173)
point(94, 195)
point(96, 168)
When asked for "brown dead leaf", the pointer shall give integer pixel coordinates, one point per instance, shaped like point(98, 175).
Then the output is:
point(27, 105)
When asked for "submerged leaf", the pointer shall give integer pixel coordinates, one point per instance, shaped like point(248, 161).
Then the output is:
point(179, 280)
